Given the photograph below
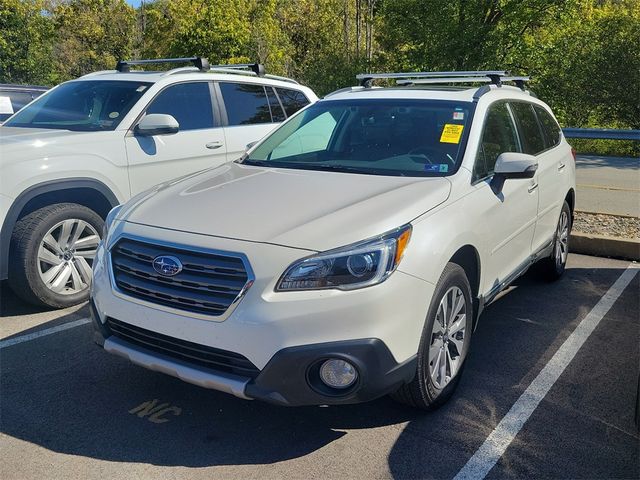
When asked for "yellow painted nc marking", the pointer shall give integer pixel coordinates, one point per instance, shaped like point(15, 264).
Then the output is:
point(154, 412)
point(451, 133)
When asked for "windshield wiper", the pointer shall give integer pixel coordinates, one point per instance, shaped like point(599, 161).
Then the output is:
point(319, 167)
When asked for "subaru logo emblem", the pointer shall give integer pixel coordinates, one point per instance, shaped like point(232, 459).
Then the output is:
point(167, 265)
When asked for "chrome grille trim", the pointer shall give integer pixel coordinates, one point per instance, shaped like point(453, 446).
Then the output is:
point(209, 287)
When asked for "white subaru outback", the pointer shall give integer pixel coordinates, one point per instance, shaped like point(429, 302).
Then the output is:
point(89, 144)
point(349, 254)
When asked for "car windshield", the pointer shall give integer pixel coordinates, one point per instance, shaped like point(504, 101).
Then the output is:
point(91, 105)
point(419, 138)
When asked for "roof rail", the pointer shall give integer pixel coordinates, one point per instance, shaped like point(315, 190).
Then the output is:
point(495, 77)
point(256, 68)
point(496, 80)
point(200, 63)
point(234, 71)
point(345, 89)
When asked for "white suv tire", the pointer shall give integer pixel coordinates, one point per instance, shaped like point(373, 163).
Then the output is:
point(51, 254)
point(444, 344)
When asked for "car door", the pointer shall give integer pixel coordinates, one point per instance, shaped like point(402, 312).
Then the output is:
point(250, 112)
point(508, 218)
point(199, 143)
point(552, 178)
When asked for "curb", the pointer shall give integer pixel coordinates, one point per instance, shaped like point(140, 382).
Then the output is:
point(604, 246)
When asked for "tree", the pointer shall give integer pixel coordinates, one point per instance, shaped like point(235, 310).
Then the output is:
point(91, 35)
point(216, 29)
point(587, 64)
point(25, 42)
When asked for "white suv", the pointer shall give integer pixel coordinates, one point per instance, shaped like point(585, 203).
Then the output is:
point(349, 254)
point(89, 144)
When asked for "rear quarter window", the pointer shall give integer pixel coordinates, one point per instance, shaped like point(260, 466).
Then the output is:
point(292, 100)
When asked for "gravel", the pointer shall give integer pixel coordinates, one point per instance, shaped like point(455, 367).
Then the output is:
point(610, 225)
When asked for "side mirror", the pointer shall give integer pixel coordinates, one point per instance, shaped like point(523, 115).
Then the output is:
point(512, 165)
point(157, 124)
point(250, 145)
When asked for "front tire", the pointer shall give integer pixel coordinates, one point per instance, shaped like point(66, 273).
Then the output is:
point(444, 343)
point(52, 252)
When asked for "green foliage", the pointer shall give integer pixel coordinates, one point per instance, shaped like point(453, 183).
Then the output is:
point(25, 49)
point(587, 66)
point(583, 55)
point(216, 29)
point(91, 35)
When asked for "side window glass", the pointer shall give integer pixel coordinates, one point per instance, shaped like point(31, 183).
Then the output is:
point(246, 104)
point(292, 100)
point(188, 103)
point(498, 136)
point(312, 137)
point(529, 128)
point(550, 128)
point(277, 114)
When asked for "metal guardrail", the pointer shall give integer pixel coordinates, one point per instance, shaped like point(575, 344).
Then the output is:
point(602, 133)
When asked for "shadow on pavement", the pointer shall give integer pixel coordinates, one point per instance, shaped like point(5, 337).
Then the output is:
point(68, 396)
point(516, 336)
point(11, 305)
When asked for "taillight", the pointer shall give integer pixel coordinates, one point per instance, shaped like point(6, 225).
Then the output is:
point(574, 153)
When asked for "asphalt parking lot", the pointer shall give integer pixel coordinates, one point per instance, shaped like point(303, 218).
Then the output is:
point(69, 410)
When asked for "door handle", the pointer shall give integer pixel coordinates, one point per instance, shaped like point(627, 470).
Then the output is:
point(561, 166)
point(532, 187)
point(214, 145)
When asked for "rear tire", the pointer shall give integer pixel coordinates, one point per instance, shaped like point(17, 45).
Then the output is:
point(51, 254)
point(552, 268)
point(444, 343)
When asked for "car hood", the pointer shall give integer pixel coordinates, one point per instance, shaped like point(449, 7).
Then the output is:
point(305, 209)
point(18, 144)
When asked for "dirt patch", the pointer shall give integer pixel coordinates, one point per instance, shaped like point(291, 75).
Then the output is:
point(603, 224)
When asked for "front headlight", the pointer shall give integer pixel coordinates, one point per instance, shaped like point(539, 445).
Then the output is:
point(355, 266)
point(111, 216)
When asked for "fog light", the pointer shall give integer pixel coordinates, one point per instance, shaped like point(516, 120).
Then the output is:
point(338, 373)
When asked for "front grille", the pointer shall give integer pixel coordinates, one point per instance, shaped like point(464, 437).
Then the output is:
point(193, 353)
point(208, 283)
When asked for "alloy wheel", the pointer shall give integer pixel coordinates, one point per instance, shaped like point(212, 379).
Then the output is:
point(447, 337)
point(65, 256)
point(562, 239)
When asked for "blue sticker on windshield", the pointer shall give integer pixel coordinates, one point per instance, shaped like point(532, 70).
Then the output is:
point(438, 167)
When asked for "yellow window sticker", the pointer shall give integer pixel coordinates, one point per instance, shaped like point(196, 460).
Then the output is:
point(451, 133)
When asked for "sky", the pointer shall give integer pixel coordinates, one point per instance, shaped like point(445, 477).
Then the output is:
point(134, 3)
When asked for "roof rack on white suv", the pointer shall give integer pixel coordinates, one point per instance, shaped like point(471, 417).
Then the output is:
point(495, 77)
point(200, 64)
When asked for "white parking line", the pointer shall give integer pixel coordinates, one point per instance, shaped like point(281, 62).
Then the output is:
point(497, 442)
point(43, 333)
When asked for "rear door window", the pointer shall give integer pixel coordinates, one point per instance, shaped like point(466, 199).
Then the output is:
point(189, 103)
point(246, 104)
point(498, 136)
point(292, 100)
point(533, 141)
point(551, 129)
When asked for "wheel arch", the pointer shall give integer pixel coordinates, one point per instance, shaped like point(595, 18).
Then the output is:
point(571, 200)
point(468, 258)
point(89, 192)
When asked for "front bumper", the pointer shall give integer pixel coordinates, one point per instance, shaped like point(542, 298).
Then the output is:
point(291, 376)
